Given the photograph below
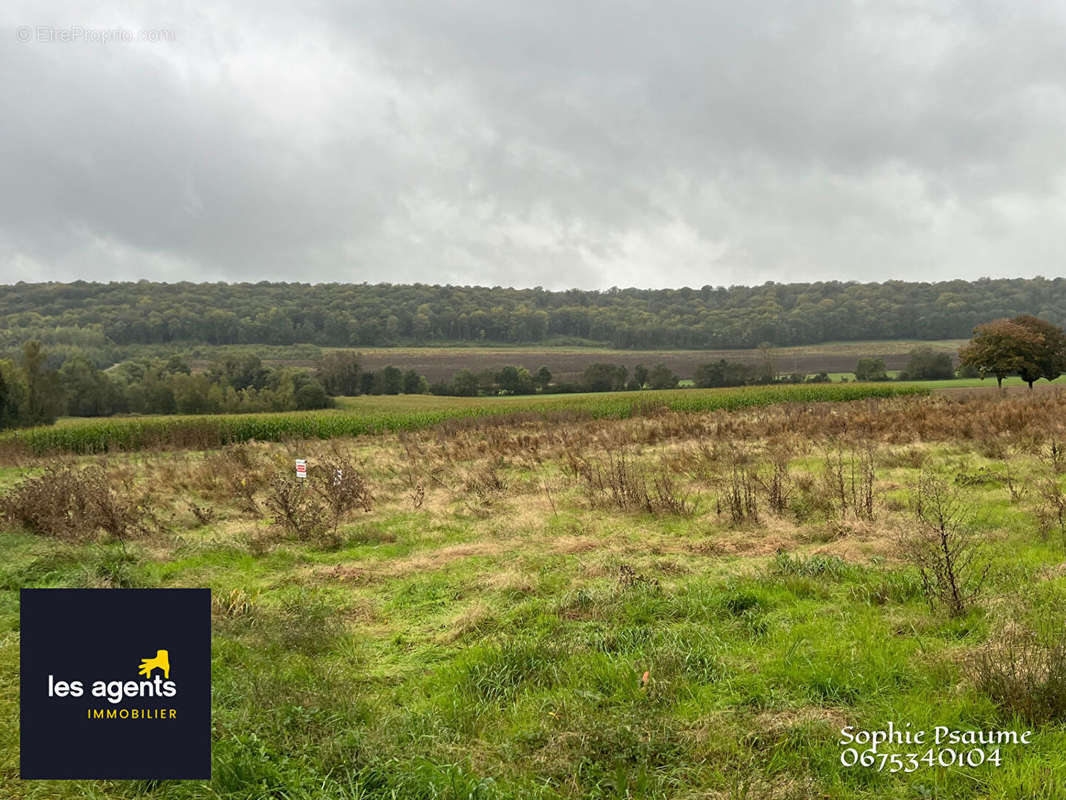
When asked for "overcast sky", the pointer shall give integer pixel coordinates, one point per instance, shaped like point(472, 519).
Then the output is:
point(547, 143)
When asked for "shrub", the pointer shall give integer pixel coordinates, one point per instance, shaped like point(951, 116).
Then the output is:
point(849, 481)
point(341, 487)
point(621, 484)
point(309, 508)
point(942, 547)
point(295, 507)
point(71, 503)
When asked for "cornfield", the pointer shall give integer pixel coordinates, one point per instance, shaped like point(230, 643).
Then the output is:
point(102, 435)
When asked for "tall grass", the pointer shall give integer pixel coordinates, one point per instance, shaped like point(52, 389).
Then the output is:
point(216, 430)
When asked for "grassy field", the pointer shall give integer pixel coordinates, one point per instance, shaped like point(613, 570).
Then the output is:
point(675, 604)
point(378, 414)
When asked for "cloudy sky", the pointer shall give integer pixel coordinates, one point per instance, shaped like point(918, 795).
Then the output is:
point(554, 143)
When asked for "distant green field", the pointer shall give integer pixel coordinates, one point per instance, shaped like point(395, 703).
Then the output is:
point(383, 413)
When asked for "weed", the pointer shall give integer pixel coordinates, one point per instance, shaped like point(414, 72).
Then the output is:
point(1024, 672)
point(234, 603)
point(629, 578)
point(848, 480)
point(204, 515)
point(619, 483)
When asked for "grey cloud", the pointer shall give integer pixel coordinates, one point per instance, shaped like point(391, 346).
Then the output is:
point(553, 143)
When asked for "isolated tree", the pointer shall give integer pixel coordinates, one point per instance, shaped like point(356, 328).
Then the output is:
point(926, 364)
point(871, 369)
point(1001, 348)
point(1049, 361)
point(240, 372)
point(662, 377)
point(338, 372)
point(724, 373)
point(310, 394)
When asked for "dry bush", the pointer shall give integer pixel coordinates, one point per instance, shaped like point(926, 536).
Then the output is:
point(295, 507)
point(1051, 513)
point(778, 484)
point(741, 498)
point(312, 508)
point(235, 474)
point(617, 482)
point(848, 480)
point(942, 547)
point(413, 460)
point(74, 503)
point(342, 488)
point(485, 482)
point(204, 515)
point(908, 458)
point(1024, 673)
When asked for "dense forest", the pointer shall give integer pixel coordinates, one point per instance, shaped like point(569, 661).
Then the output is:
point(92, 316)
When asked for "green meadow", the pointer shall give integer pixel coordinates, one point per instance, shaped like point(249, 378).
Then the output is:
point(685, 602)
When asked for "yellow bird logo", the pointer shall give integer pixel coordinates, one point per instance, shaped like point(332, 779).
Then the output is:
point(161, 661)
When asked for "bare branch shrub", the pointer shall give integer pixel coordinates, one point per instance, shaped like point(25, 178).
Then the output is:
point(942, 547)
point(295, 507)
point(618, 482)
point(341, 487)
point(1055, 455)
point(1016, 488)
point(848, 479)
point(741, 495)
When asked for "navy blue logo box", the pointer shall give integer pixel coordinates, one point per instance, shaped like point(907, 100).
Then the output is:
point(115, 684)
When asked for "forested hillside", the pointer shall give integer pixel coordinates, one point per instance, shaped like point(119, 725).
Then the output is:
point(95, 314)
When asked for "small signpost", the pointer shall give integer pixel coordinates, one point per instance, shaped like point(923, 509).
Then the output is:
point(301, 468)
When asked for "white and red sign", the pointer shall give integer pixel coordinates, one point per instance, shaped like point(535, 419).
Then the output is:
point(301, 468)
